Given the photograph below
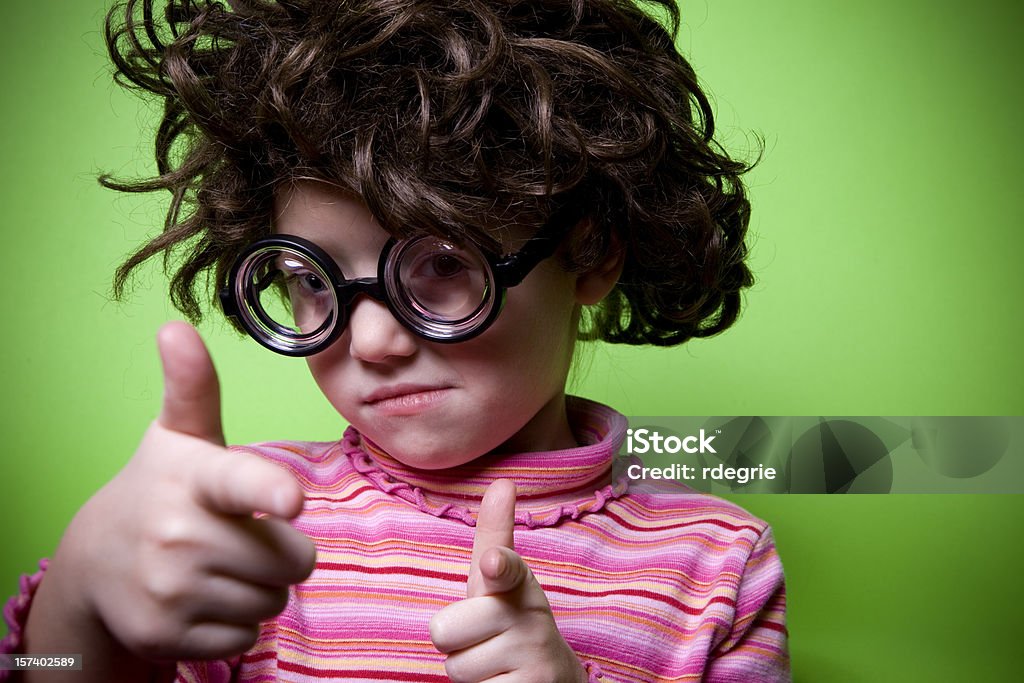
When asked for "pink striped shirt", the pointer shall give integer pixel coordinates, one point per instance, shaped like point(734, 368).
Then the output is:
point(670, 586)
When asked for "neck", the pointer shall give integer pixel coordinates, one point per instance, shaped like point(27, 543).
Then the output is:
point(549, 430)
point(549, 483)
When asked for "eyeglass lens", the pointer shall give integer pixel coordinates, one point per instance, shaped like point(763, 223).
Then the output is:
point(289, 294)
point(292, 294)
point(442, 281)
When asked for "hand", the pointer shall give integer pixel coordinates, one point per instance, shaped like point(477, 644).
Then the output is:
point(504, 630)
point(168, 555)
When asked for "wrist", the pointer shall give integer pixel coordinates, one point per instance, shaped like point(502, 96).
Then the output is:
point(59, 622)
point(59, 618)
point(69, 575)
point(64, 617)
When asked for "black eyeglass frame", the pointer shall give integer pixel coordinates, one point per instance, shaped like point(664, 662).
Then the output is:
point(505, 272)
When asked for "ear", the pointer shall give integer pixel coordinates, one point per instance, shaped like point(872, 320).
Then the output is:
point(596, 283)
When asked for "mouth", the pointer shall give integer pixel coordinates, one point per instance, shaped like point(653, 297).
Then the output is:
point(407, 399)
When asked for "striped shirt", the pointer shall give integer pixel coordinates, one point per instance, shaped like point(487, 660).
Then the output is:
point(668, 586)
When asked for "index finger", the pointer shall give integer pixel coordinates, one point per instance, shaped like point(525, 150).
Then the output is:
point(239, 483)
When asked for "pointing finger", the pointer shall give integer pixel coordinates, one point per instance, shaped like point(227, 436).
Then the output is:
point(239, 483)
point(265, 552)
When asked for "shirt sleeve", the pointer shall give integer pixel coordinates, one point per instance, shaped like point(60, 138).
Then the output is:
point(216, 671)
point(16, 614)
point(756, 648)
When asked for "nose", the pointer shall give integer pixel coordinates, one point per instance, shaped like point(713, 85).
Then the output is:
point(375, 335)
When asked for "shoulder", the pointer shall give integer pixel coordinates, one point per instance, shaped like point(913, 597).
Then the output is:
point(674, 506)
point(679, 525)
point(312, 461)
point(291, 451)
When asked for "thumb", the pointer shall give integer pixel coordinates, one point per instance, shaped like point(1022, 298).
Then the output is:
point(501, 570)
point(492, 570)
point(191, 403)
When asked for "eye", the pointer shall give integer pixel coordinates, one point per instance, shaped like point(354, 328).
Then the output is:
point(445, 265)
point(301, 278)
point(440, 282)
point(304, 284)
point(312, 283)
point(441, 261)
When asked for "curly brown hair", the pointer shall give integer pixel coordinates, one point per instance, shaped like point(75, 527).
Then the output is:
point(456, 118)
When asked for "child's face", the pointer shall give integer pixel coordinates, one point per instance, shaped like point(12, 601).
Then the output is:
point(434, 405)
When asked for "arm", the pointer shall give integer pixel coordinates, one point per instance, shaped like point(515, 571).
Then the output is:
point(756, 649)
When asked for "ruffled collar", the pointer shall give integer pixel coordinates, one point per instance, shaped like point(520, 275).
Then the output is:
point(551, 485)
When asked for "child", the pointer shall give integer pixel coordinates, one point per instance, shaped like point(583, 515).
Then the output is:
point(431, 202)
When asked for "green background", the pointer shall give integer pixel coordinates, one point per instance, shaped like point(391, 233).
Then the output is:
point(886, 240)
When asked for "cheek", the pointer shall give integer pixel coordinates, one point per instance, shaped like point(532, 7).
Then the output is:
point(535, 331)
point(544, 307)
point(325, 367)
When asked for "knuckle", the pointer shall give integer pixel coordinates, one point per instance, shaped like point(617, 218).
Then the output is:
point(518, 572)
point(170, 533)
point(219, 487)
point(152, 639)
point(164, 587)
point(541, 616)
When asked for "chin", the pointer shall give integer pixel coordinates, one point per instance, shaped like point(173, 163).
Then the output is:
point(427, 460)
point(425, 454)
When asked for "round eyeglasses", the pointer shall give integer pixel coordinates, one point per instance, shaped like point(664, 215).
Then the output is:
point(292, 297)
